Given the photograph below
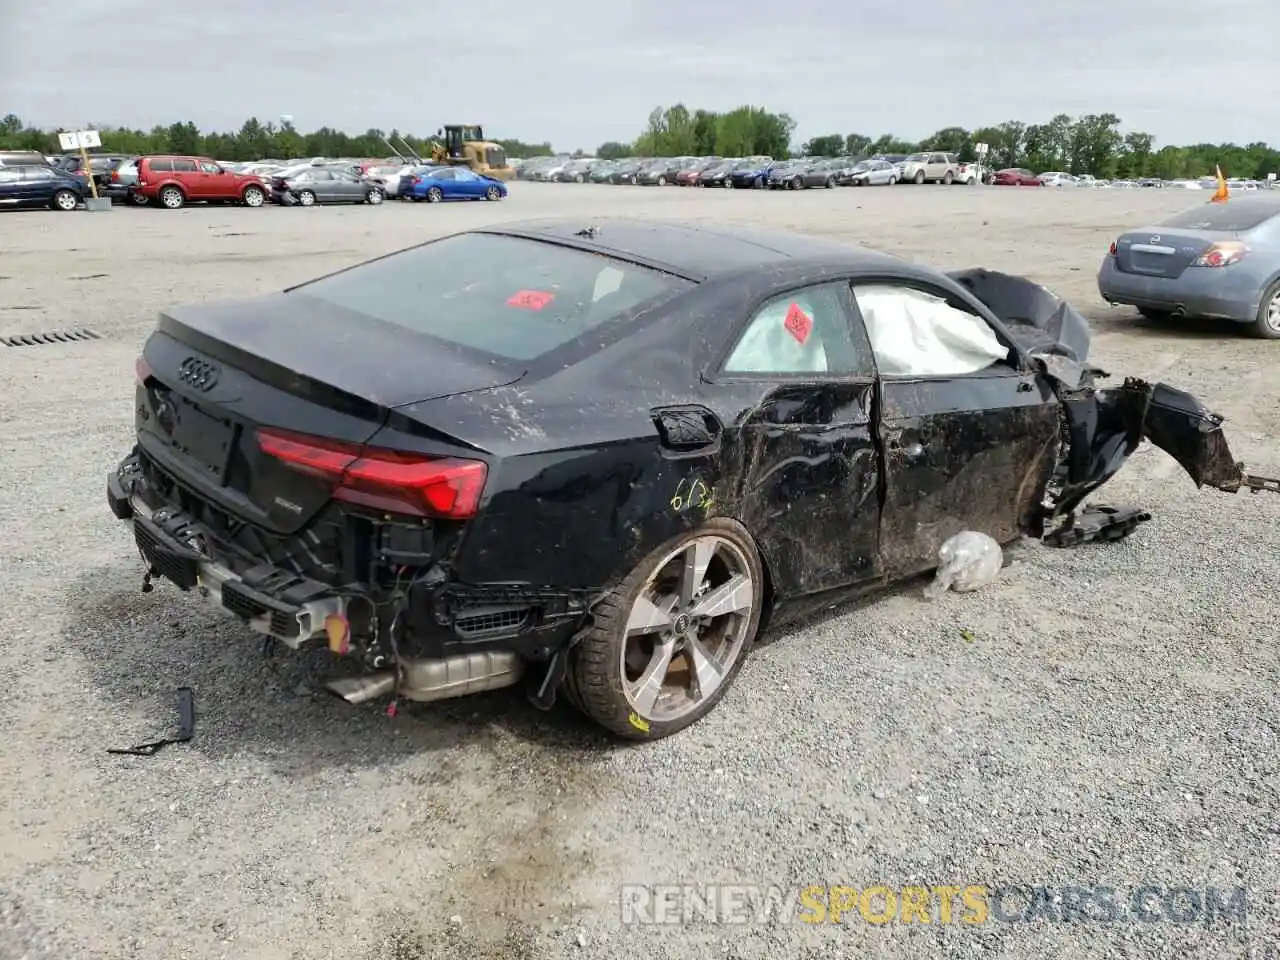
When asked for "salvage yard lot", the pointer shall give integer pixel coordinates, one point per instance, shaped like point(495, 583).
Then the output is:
point(1105, 715)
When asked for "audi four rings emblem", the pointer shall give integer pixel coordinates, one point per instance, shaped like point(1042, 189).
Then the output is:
point(198, 373)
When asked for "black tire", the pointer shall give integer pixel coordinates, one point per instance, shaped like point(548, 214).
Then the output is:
point(831, 182)
point(64, 200)
point(594, 682)
point(493, 193)
point(434, 195)
point(374, 196)
point(947, 178)
point(1156, 316)
point(137, 199)
point(253, 197)
point(662, 181)
point(1267, 324)
point(172, 198)
point(306, 198)
point(919, 177)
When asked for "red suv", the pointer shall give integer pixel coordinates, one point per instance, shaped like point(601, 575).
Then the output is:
point(175, 181)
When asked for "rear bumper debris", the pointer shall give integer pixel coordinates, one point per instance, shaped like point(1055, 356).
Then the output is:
point(430, 639)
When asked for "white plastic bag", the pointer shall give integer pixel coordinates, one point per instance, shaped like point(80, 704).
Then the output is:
point(966, 562)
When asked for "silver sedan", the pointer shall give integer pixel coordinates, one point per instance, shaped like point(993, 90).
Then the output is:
point(870, 173)
point(1215, 260)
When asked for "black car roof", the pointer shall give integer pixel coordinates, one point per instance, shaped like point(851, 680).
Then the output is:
point(697, 253)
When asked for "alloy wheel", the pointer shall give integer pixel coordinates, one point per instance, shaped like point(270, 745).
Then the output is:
point(687, 628)
point(1273, 313)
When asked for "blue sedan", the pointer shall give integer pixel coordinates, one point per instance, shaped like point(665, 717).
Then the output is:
point(40, 185)
point(435, 184)
point(1217, 260)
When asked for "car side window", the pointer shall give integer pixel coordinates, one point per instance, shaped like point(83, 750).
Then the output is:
point(39, 173)
point(464, 175)
point(161, 166)
point(801, 331)
point(207, 166)
point(918, 333)
point(9, 175)
point(184, 166)
point(443, 175)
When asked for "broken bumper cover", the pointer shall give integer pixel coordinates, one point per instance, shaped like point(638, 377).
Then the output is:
point(273, 602)
point(438, 619)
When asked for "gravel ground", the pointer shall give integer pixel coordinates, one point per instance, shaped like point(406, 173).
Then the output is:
point(1109, 716)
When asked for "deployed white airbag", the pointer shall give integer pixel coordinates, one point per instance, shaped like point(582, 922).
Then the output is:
point(915, 334)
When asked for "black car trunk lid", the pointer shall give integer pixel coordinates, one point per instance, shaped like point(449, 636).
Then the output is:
point(1161, 253)
point(214, 377)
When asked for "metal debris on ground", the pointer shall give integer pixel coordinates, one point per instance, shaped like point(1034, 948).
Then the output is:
point(78, 335)
point(186, 728)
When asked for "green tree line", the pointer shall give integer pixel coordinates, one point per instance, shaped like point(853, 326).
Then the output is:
point(1093, 144)
point(254, 140)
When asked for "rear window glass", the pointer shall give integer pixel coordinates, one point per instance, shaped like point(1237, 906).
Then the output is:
point(508, 296)
point(1226, 217)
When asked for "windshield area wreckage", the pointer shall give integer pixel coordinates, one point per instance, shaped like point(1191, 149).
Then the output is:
point(602, 459)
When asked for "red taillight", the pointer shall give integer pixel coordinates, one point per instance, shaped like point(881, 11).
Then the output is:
point(1222, 255)
point(142, 370)
point(1111, 251)
point(383, 479)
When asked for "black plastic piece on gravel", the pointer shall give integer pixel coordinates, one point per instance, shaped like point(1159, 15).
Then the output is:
point(1098, 522)
point(79, 335)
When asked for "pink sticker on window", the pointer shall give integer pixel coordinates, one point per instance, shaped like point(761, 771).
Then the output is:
point(798, 323)
point(530, 299)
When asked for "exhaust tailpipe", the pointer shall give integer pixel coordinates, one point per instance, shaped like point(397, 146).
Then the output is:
point(427, 680)
point(363, 689)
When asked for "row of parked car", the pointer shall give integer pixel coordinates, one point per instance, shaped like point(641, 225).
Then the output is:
point(172, 182)
point(880, 170)
point(759, 172)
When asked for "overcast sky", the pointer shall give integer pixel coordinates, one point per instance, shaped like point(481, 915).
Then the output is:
point(579, 72)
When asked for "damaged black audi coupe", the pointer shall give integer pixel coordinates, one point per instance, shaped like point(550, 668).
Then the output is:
point(598, 458)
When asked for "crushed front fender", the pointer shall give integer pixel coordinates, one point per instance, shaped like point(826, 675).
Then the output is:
point(1104, 428)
